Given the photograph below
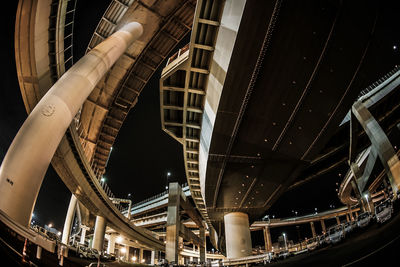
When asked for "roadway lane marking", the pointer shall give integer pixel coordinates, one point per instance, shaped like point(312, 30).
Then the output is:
point(373, 252)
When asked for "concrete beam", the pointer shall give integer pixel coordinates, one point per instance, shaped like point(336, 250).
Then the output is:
point(191, 211)
point(380, 142)
point(190, 236)
point(353, 138)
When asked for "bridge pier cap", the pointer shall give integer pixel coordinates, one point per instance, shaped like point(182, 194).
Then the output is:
point(237, 235)
point(30, 153)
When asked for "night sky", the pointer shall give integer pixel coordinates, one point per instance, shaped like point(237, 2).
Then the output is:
point(142, 153)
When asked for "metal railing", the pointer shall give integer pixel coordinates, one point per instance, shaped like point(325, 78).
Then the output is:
point(178, 54)
point(380, 81)
point(155, 197)
point(61, 32)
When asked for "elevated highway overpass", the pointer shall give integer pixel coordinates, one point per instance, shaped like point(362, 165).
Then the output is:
point(243, 113)
point(44, 54)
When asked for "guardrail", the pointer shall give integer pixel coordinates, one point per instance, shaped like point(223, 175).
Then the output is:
point(263, 258)
point(61, 33)
point(155, 197)
point(178, 54)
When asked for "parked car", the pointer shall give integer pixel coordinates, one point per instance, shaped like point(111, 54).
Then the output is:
point(312, 244)
point(363, 219)
point(349, 226)
point(383, 211)
point(336, 233)
point(83, 252)
point(323, 239)
point(94, 253)
point(283, 254)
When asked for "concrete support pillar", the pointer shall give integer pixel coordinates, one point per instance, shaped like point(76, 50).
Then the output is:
point(111, 243)
point(380, 143)
point(237, 235)
point(314, 234)
point(153, 257)
point(323, 226)
point(38, 252)
point(267, 239)
point(369, 203)
point(337, 220)
point(127, 258)
point(350, 213)
point(173, 223)
point(141, 255)
point(83, 234)
point(30, 153)
point(99, 231)
point(69, 220)
point(202, 246)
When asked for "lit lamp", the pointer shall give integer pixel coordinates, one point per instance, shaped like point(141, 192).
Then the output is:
point(284, 237)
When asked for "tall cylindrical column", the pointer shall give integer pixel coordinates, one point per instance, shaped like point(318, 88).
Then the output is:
point(237, 235)
point(111, 244)
point(39, 252)
point(68, 220)
point(323, 226)
point(153, 257)
point(267, 239)
point(350, 213)
point(314, 234)
point(30, 153)
point(127, 248)
point(99, 231)
point(140, 255)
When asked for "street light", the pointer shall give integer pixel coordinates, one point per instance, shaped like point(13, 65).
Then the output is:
point(168, 175)
point(284, 237)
